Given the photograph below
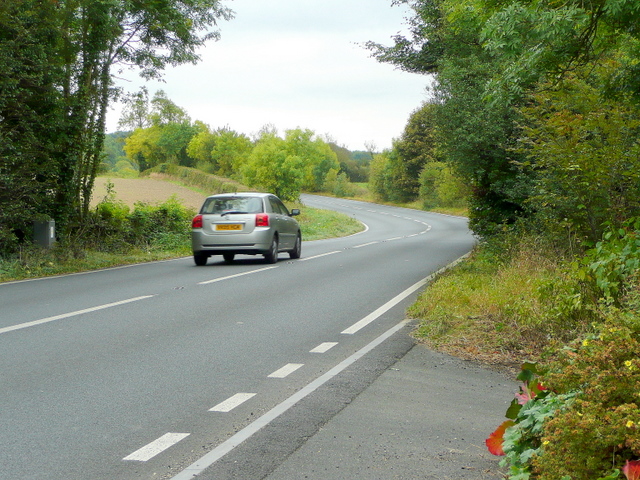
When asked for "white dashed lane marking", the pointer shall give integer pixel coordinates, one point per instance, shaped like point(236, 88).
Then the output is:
point(157, 446)
point(71, 314)
point(286, 370)
point(232, 402)
point(365, 245)
point(318, 256)
point(324, 347)
point(207, 282)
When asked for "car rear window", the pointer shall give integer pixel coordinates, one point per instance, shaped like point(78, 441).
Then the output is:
point(232, 204)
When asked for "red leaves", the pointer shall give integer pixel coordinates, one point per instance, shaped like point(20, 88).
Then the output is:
point(529, 392)
point(495, 440)
point(632, 470)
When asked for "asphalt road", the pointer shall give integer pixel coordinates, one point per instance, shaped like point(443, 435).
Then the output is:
point(166, 370)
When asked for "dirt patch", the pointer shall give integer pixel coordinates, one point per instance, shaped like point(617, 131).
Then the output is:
point(147, 190)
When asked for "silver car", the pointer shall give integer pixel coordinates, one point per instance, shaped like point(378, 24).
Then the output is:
point(245, 223)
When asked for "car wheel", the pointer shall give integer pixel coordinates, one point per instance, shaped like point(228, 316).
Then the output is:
point(228, 257)
point(200, 259)
point(272, 255)
point(297, 249)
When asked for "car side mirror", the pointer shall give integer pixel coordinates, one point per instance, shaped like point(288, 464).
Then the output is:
point(294, 212)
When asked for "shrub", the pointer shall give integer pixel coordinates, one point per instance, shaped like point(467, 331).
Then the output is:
point(580, 419)
point(600, 431)
point(150, 223)
point(608, 267)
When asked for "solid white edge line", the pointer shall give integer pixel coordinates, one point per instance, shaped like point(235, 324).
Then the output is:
point(70, 314)
point(397, 299)
point(232, 402)
point(90, 272)
point(225, 447)
point(236, 275)
point(157, 446)
point(285, 371)
point(384, 308)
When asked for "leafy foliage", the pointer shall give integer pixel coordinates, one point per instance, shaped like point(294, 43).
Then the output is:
point(271, 168)
point(604, 378)
point(59, 57)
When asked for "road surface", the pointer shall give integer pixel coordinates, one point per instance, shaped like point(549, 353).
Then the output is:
point(164, 370)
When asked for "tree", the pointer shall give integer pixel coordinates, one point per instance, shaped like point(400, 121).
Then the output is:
point(200, 147)
point(475, 135)
point(158, 144)
point(584, 151)
point(164, 111)
point(30, 117)
point(230, 152)
point(271, 168)
point(413, 150)
point(135, 112)
point(142, 147)
point(381, 175)
point(81, 43)
point(316, 155)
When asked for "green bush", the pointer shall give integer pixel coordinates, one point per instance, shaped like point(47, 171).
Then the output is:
point(586, 425)
point(600, 431)
point(440, 187)
point(608, 266)
point(113, 228)
point(191, 177)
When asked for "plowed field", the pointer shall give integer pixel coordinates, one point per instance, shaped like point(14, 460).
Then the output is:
point(152, 190)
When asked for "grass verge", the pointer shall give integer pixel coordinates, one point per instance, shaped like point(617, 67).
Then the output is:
point(33, 262)
point(500, 309)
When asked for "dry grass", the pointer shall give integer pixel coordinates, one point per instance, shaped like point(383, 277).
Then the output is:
point(489, 312)
point(153, 190)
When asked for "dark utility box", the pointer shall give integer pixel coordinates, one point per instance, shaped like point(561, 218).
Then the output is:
point(44, 233)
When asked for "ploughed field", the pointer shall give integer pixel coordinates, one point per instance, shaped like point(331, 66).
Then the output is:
point(152, 190)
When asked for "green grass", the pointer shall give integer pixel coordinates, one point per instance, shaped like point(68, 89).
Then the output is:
point(33, 262)
point(497, 310)
point(317, 224)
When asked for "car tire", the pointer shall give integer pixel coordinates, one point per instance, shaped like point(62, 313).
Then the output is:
point(200, 259)
point(228, 257)
point(297, 249)
point(272, 255)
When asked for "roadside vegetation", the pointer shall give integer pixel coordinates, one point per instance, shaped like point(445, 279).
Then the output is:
point(116, 234)
point(532, 130)
point(536, 112)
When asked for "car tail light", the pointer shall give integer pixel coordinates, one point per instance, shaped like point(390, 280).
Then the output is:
point(262, 220)
point(196, 222)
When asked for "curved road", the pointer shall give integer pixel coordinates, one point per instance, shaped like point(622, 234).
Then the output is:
point(167, 370)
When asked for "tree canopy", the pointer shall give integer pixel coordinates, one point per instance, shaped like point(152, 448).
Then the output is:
point(505, 72)
point(60, 58)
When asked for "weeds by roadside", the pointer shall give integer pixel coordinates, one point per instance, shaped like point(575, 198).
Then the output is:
point(115, 235)
point(577, 318)
point(499, 308)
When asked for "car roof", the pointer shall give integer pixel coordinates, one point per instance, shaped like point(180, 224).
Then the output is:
point(241, 194)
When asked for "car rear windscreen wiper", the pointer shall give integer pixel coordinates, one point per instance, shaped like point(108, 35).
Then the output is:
point(231, 212)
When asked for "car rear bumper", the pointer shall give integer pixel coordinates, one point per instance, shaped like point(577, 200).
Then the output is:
point(257, 242)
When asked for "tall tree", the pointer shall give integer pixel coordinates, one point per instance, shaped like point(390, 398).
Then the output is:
point(86, 40)
point(30, 116)
point(271, 168)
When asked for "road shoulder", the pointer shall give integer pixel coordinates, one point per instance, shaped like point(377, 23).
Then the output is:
point(427, 416)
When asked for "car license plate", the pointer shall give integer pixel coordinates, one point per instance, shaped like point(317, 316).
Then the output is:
point(228, 226)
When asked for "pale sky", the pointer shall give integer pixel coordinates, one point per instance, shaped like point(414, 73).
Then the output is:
point(298, 64)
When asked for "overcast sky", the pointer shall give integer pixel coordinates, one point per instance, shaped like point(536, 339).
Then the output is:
point(298, 64)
